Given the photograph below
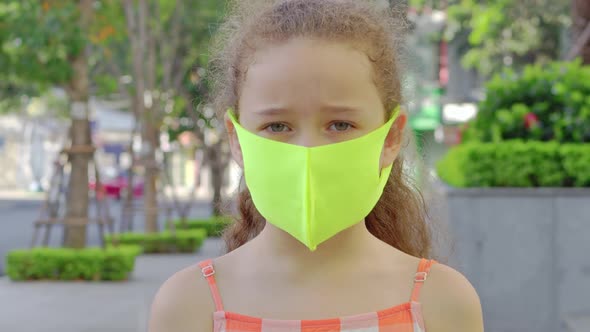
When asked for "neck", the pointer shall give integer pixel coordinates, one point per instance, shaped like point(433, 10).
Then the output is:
point(356, 242)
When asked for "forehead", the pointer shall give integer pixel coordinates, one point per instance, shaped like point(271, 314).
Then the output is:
point(307, 71)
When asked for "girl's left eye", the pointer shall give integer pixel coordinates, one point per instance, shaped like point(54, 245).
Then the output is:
point(340, 126)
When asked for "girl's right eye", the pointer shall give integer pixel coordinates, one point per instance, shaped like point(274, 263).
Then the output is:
point(277, 127)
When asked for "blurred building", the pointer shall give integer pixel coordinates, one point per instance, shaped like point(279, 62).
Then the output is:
point(28, 145)
point(441, 95)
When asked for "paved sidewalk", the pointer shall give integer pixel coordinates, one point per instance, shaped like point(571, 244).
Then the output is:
point(21, 195)
point(92, 307)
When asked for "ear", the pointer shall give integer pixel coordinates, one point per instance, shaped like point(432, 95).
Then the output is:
point(234, 143)
point(393, 141)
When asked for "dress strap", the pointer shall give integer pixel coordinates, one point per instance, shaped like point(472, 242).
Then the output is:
point(209, 274)
point(420, 277)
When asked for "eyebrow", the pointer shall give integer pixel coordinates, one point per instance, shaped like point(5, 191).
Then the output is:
point(271, 111)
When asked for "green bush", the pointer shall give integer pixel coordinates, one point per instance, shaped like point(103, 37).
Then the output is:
point(576, 164)
point(214, 226)
point(544, 103)
point(184, 241)
point(516, 164)
point(112, 263)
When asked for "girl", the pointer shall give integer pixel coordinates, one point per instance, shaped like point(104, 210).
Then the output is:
point(331, 236)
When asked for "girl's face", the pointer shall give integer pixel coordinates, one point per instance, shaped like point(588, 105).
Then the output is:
point(310, 93)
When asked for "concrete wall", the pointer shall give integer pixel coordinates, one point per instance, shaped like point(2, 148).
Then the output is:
point(527, 252)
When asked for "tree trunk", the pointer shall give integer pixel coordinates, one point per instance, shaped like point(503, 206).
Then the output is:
point(217, 182)
point(151, 170)
point(77, 204)
point(581, 19)
point(218, 166)
point(140, 43)
point(151, 130)
point(128, 213)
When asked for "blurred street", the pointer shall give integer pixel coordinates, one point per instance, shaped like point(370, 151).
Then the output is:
point(92, 307)
point(18, 213)
point(16, 225)
point(116, 307)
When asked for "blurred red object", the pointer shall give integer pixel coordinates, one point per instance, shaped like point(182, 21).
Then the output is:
point(530, 120)
point(115, 187)
point(449, 135)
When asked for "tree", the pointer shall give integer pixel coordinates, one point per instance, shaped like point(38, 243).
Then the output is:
point(581, 29)
point(504, 32)
point(209, 131)
point(143, 53)
point(191, 112)
point(167, 39)
point(45, 43)
point(77, 90)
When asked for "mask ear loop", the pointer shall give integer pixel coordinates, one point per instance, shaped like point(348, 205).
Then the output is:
point(393, 116)
point(232, 115)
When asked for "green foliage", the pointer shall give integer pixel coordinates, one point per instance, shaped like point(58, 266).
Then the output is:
point(184, 241)
point(38, 40)
point(511, 32)
point(450, 168)
point(420, 4)
point(576, 163)
point(504, 32)
point(516, 164)
point(543, 103)
point(213, 226)
point(193, 114)
point(92, 264)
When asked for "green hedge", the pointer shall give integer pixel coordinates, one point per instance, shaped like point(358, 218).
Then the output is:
point(516, 164)
point(214, 226)
point(92, 264)
point(543, 103)
point(184, 241)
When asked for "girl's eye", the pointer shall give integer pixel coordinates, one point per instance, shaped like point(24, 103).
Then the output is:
point(340, 126)
point(277, 127)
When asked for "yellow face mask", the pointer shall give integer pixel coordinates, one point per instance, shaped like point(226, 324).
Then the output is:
point(313, 193)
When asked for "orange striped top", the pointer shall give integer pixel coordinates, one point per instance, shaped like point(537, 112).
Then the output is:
point(405, 317)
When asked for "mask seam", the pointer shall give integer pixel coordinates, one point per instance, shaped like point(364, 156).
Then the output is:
point(308, 198)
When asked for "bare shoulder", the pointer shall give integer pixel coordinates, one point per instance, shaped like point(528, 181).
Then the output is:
point(449, 302)
point(183, 303)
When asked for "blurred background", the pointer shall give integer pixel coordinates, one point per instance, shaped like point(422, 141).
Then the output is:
point(115, 172)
